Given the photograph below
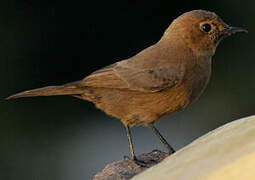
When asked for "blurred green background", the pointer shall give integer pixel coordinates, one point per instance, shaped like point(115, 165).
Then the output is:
point(54, 42)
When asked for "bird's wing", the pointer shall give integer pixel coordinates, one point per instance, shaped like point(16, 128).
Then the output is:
point(118, 76)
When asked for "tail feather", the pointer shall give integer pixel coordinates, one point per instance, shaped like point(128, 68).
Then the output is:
point(68, 89)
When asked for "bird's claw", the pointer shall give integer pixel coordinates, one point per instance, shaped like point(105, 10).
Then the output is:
point(137, 161)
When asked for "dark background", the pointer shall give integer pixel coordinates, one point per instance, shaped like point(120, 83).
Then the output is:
point(47, 43)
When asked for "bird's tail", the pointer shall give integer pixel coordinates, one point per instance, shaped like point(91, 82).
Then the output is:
point(74, 88)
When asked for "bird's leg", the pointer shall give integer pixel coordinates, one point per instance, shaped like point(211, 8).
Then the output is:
point(162, 139)
point(131, 148)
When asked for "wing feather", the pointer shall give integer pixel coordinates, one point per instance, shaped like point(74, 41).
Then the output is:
point(119, 76)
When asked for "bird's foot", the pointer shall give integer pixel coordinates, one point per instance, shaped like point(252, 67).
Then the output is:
point(137, 161)
point(171, 151)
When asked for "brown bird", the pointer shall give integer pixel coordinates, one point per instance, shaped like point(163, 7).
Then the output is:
point(162, 79)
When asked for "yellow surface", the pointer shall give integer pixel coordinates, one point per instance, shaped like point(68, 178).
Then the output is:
point(225, 153)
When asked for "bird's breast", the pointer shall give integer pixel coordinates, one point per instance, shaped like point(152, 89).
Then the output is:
point(196, 79)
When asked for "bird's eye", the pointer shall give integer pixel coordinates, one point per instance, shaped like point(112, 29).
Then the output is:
point(206, 27)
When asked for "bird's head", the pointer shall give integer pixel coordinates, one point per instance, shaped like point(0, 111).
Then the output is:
point(201, 31)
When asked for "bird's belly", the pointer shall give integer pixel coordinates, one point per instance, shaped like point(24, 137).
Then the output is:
point(134, 108)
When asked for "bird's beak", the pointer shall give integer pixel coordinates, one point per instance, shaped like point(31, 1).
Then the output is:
point(229, 30)
point(232, 30)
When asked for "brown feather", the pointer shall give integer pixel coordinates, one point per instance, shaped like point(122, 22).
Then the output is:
point(67, 89)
